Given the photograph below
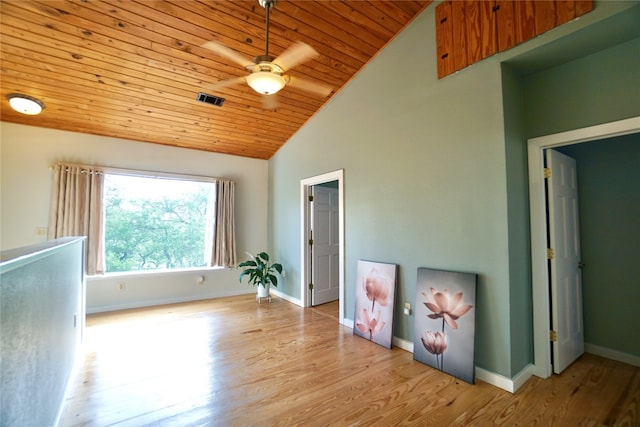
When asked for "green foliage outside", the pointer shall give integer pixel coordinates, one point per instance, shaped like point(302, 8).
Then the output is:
point(152, 232)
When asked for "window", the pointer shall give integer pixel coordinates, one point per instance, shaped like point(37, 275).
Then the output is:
point(155, 223)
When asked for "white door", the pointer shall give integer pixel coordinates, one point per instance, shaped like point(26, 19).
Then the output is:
point(326, 245)
point(565, 263)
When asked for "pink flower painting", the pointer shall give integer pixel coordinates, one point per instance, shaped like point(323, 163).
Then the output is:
point(374, 301)
point(369, 323)
point(445, 321)
point(445, 306)
point(436, 344)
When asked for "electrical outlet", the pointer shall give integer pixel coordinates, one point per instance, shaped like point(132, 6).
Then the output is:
point(121, 286)
point(407, 308)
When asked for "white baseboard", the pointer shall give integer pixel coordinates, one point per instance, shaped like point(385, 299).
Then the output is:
point(619, 356)
point(151, 303)
point(509, 384)
point(403, 344)
point(348, 323)
point(282, 295)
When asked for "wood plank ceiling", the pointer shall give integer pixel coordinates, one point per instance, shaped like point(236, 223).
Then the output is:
point(133, 69)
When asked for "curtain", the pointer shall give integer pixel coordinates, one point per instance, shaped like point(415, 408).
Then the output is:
point(224, 240)
point(76, 210)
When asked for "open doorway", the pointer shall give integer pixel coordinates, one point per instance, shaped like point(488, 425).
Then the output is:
point(331, 182)
point(538, 210)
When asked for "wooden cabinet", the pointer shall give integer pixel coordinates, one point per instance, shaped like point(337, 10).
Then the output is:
point(468, 31)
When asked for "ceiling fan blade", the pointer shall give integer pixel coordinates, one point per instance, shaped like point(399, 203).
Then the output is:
point(224, 83)
point(228, 53)
point(294, 55)
point(310, 86)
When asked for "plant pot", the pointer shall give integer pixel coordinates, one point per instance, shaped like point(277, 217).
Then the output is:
point(263, 291)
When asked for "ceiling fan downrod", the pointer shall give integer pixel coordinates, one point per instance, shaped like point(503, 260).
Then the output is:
point(267, 5)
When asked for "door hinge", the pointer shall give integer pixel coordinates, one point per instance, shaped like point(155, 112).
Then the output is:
point(311, 197)
point(547, 172)
point(311, 286)
point(310, 242)
point(553, 336)
point(551, 254)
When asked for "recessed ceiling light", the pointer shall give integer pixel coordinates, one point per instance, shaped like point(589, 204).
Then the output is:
point(25, 104)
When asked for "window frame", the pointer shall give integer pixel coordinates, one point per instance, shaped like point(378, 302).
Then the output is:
point(140, 173)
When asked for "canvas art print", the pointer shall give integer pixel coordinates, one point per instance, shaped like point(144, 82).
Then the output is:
point(444, 331)
point(375, 293)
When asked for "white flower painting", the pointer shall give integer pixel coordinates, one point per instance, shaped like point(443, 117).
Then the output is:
point(444, 331)
point(375, 290)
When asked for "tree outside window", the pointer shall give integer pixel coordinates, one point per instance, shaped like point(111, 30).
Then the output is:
point(157, 223)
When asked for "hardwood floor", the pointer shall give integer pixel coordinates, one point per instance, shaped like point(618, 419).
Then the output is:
point(232, 362)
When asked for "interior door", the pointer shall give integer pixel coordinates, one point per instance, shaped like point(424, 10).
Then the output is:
point(326, 245)
point(564, 260)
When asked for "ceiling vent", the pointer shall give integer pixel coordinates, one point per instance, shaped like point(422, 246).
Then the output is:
point(210, 99)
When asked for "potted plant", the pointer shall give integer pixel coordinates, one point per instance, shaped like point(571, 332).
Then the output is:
point(261, 273)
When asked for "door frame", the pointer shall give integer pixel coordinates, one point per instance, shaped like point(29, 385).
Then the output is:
point(305, 222)
point(542, 366)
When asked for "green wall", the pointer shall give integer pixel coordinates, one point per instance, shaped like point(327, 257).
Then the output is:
point(424, 180)
point(520, 301)
point(435, 176)
point(599, 88)
point(609, 202)
point(595, 89)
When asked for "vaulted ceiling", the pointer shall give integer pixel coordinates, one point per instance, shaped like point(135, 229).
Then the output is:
point(134, 69)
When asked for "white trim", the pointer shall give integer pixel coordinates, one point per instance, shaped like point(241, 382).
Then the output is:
point(305, 186)
point(509, 384)
point(629, 359)
point(403, 344)
point(521, 377)
point(539, 279)
point(157, 174)
point(286, 297)
point(151, 303)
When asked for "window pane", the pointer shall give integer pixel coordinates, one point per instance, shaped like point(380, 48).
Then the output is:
point(153, 223)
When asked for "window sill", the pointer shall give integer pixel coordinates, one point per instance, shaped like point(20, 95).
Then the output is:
point(149, 273)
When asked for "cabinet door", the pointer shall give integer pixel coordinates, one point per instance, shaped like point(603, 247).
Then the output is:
point(525, 20)
point(460, 59)
point(488, 29)
point(444, 39)
point(545, 15)
point(506, 21)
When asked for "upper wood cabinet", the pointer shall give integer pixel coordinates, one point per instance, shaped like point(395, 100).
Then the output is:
point(468, 31)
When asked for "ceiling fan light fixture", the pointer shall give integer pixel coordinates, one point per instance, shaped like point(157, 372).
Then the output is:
point(266, 82)
point(25, 104)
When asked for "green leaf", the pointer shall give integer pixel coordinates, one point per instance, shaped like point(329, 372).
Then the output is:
point(248, 263)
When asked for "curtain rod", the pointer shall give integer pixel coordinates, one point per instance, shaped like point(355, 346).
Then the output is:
point(141, 172)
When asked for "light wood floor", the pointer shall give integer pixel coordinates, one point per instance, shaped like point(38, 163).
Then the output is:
point(232, 362)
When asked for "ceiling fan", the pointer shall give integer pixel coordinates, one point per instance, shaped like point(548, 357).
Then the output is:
point(266, 72)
